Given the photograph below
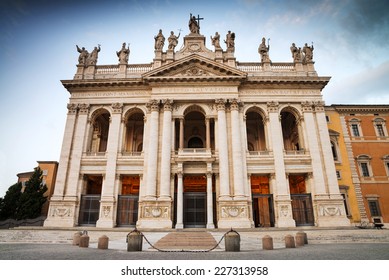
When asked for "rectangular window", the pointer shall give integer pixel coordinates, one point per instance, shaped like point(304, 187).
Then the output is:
point(380, 130)
point(345, 203)
point(374, 208)
point(338, 175)
point(327, 118)
point(355, 129)
point(365, 169)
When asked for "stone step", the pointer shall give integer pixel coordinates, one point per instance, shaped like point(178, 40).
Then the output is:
point(186, 241)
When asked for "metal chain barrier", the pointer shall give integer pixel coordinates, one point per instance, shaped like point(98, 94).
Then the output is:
point(183, 250)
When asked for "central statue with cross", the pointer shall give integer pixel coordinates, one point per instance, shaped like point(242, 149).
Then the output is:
point(194, 24)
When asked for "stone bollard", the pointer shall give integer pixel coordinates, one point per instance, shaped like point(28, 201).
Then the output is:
point(76, 238)
point(134, 241)
point(300, 239)
point(232, 241)
point(267, 243)
point(84, 240)
point(103, 242)
point(289, 241)
point(304, 235)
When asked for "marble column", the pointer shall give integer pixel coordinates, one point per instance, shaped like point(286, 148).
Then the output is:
point(208, 134)
point(71, 191)
point(237, 164)
point(65, 152)
point(280, 188)
point(152, 153)
point(224, 172)
point(61, 213)
point(166, 151)
point(210, 223)
point(180, 201)
point(314, 149)
point(181, 143)
point(108, 199)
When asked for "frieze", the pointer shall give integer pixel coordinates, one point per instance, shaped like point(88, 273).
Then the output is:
point(278, 92)
point(110, 94)
point(195, 90)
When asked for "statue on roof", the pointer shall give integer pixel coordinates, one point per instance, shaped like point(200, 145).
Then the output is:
point(230, 41)
point(194, 24)
point(308, 53)
point(216, 41)
point(92, 57)
point(159, 41)
point(173, 40)
point(123, 54)
point(83, 55)
point(263, 50)
point(296, 53)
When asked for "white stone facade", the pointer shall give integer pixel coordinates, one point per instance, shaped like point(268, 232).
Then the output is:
point(180, 142)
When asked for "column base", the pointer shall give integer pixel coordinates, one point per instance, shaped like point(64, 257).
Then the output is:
point(210, 226)
point(233, 214)
point(155, 214)
point(284, 213)
point(61, 214)
point(331, 213)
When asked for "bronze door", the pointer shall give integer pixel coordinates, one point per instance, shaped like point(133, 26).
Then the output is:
point(127, 210)
point(302, 209)
point(263, 210)
point(195, 212)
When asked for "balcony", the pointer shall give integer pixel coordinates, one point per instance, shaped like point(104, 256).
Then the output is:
point(194, 154)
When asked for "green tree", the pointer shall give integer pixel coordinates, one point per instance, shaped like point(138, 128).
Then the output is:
point(32, 199)
point(9, 204)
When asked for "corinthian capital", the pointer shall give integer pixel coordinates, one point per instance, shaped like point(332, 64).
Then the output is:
point(272, 107)
point(153, 105)
point(167, 104)
point(117, 107)
point(220, 104)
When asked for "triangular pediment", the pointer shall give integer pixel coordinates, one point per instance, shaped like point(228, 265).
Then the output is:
point(194, 67)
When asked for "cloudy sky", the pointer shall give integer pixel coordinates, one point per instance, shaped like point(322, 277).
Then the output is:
point(38, 49)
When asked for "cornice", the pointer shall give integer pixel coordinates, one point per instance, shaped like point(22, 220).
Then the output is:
point(361, 108)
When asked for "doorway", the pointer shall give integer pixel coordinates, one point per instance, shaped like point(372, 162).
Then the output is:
point(195, 201)
point(263, 212)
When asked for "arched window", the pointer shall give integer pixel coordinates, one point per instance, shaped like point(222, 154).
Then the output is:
point(195, 143)
point(256, 140)
point(134, 132)
point(100, 128)
point(291, 131)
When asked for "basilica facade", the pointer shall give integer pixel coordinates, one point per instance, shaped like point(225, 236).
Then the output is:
point(196, 139)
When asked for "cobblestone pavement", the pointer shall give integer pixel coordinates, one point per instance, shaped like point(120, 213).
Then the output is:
point(350, 251)
point(324, 244)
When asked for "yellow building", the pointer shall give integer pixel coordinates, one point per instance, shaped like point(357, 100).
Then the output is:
point(349, 184)
point(49, 174)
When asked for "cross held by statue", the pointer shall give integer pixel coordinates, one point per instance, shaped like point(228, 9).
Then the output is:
point(198, 20)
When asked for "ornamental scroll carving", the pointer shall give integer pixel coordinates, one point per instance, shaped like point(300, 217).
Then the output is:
point(330, 210)
point(156, 212)
point(234, 212)
point(61, 211)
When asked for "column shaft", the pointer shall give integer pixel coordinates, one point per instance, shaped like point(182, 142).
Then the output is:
point(166, 152)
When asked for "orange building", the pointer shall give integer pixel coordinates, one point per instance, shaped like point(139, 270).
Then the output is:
point(367, 140)
point(49, 174)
